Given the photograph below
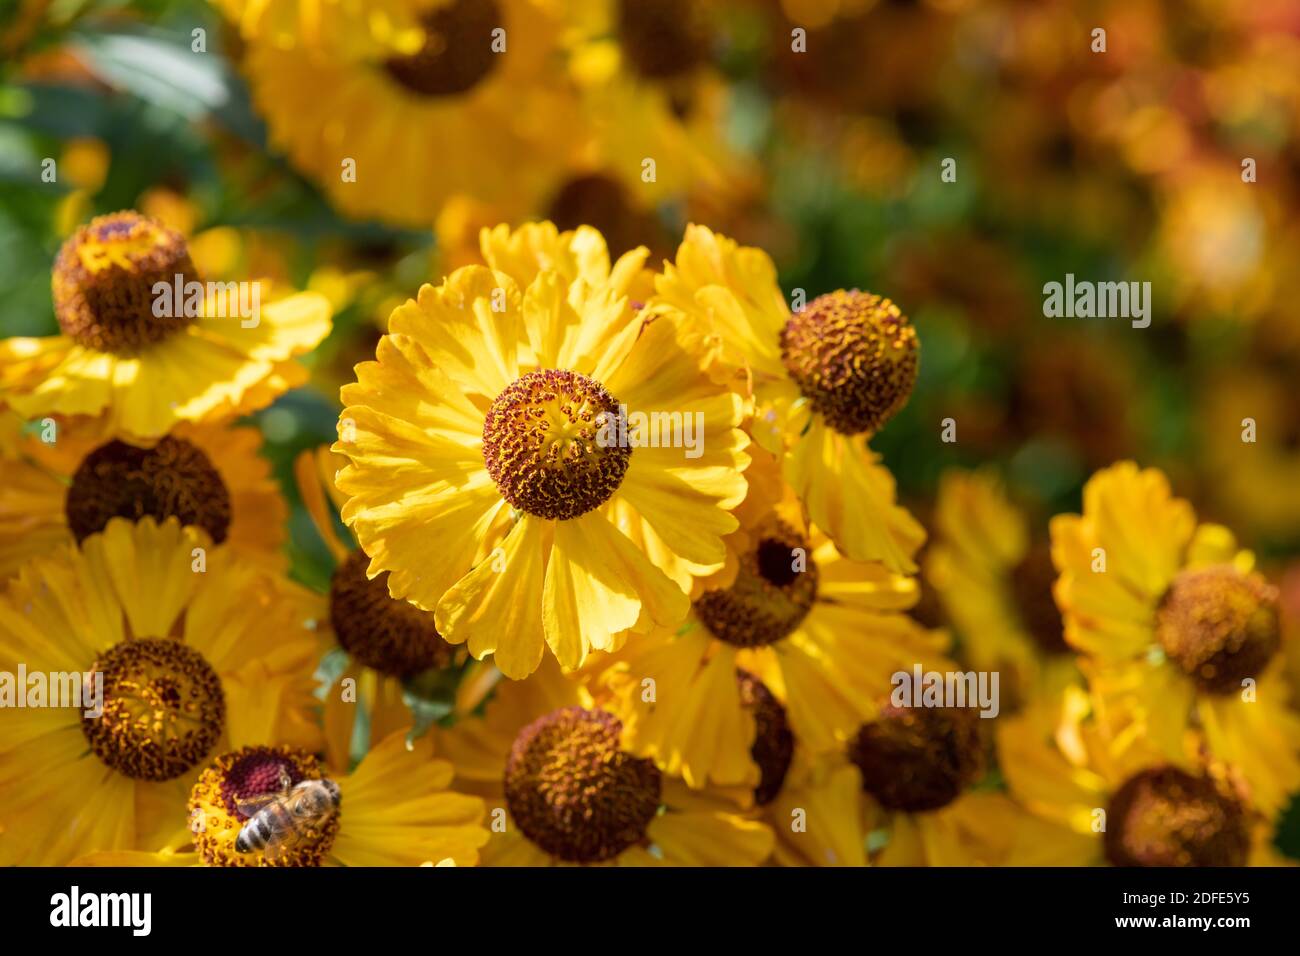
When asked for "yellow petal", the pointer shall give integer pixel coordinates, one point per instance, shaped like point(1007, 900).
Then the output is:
point(469, 326)
point(586, 599)
point(851, 497)
point(497, 607)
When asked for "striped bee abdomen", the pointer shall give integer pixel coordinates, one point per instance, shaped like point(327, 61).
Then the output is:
point(263, 826)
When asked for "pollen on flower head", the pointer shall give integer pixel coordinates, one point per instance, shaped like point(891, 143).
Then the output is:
point(389, 635)
point(1219, 626)
point(774, 590)
point(854, 356)
point(1164, 816)
point(173, 479)
point(918, 758)
point(163, 709)
point(573, 792)
point(103, 283)
point(543, 444)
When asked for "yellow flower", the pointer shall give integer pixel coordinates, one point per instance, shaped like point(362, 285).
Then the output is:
point(994, 580)
point(387, 641)
point(456, 231)
point(1253, 480)
point(1173, 621)
point(1099, 790)
point(649, 91)
point(223, 253)
point(394, 809)
point(577, 254)
point(144, 372)
point(823, 378)
point(903, 793)
point(322, 24)
point(84, 163)
point(491, 478)
point(802, 639)
point(198, 652)
point(1217, 244)
point(64, 490)
point(819, 816)
point(393, 120)
point(560, 790)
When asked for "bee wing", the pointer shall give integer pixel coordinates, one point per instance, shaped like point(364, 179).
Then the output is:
point(249, 806)
point(293, 807)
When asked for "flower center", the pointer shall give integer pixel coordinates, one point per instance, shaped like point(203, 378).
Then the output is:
point(292, 832)
point(550, 445)
point(573, 792)
point(103, 282)
point(163, 709)
point(774, 590)
point(173, 479)
point(928, 610)
point(391, 636)
point(917, 759)
point(663, 38)
point(457, 52)
point(1031, 587)
point(1219, 625)
point(602, 202)
point(854, 356)
point(1167, 817)
point(773, 748)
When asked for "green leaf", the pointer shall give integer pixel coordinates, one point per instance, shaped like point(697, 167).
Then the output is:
point(158, 70)
point(1287, 837)
point(330, 669)
point(431, 696)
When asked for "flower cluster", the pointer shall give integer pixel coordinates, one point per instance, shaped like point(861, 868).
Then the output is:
point(648, 650)
point(473, 449)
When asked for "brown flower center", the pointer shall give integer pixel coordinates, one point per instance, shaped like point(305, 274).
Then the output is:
point(173, 479)
point(103, 283)
point(773, 748)
point(1167, 817)
point(457, 52)
point(1031, 586)
point(1220, 626)
point(573, 792)
point(294, 830)
point(774, 590)
point(663, 38)
point(854, 356)
point(391, 636)
point(918, 759)
point(602, 202)
point(163, 709)
point(551, 445)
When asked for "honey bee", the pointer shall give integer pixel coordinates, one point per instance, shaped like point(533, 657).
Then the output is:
point(278, 820)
